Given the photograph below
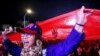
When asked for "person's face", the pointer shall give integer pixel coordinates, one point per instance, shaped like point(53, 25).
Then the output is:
point(27, 40)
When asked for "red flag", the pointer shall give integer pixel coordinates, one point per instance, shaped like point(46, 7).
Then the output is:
point(59, 27)
point(65, 22)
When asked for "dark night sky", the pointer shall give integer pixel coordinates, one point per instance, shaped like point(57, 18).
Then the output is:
point(12, 11)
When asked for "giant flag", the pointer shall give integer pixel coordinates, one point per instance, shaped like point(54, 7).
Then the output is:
point(59, 27)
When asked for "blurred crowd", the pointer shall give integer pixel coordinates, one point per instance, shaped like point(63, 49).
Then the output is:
point(87, 48)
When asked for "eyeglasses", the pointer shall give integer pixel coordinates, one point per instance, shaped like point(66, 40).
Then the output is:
point(26, 35)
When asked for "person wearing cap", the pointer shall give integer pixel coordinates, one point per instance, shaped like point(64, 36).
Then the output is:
point(32, 43)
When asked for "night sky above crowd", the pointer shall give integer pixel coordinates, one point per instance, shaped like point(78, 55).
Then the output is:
point(12, 11)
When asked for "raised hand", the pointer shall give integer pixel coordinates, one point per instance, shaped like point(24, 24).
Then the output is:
point(7, 31)
point(82, 15)
point(81, 18)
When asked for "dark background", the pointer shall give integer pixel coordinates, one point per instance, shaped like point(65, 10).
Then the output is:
point(12, 11)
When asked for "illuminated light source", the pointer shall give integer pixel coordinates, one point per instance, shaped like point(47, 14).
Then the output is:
point(28, 11)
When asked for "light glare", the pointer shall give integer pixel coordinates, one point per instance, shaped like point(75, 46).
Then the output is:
point(29, 11)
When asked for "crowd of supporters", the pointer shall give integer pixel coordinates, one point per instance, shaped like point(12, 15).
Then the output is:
point(87, 48)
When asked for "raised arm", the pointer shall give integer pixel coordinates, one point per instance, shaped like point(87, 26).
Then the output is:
point(11, 47)
point(77, 34)
point(72, 41)
point(81, 20)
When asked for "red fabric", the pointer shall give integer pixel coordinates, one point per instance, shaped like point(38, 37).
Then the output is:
point(62, 25)
point(13, 37)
